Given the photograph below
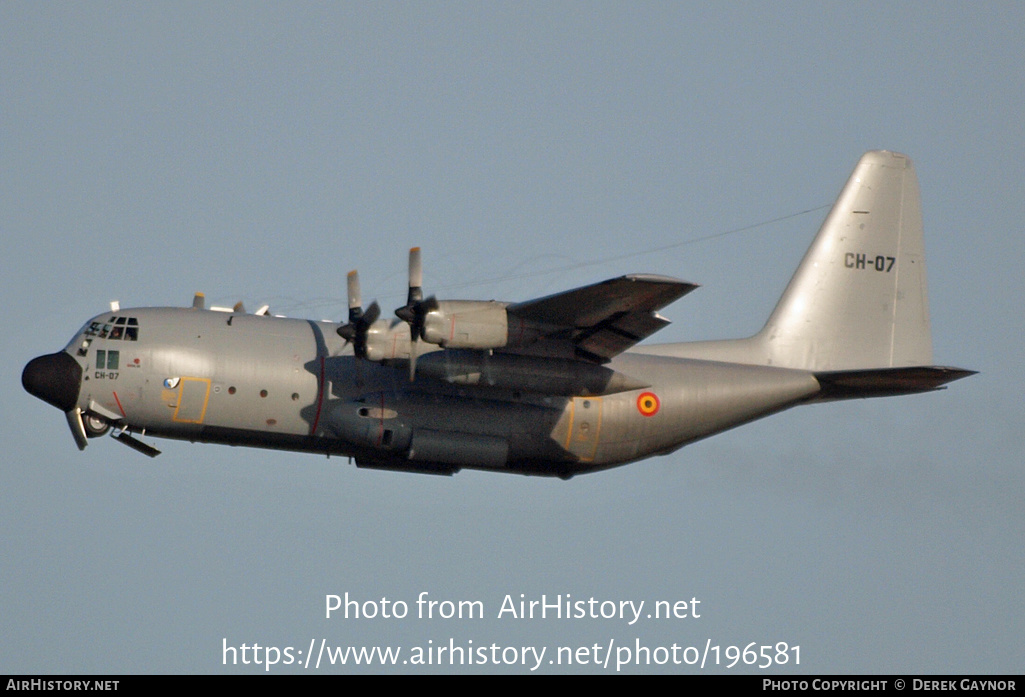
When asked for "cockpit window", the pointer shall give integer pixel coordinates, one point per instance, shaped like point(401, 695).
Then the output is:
point(117, 329)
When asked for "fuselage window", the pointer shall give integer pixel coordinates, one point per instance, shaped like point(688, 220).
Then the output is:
point(107, 360)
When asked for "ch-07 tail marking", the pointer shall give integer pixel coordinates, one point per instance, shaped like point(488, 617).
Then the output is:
point(863, 261)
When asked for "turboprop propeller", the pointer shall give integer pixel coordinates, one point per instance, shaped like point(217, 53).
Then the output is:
point(355, 332)
point(414, 312)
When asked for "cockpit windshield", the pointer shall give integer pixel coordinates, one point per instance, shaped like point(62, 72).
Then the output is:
point(117, 328)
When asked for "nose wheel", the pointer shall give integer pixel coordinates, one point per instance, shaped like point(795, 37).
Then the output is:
point(95, 426)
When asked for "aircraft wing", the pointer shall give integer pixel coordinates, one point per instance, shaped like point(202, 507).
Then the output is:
point(599, 321)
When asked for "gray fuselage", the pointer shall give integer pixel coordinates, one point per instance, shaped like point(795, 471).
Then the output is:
point(210, 376)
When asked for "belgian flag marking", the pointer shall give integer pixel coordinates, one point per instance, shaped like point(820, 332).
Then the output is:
point(648, 404)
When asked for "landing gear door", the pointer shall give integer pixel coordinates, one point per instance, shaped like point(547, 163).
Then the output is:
point(584, 427)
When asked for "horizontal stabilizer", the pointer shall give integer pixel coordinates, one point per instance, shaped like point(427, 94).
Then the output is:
point(885, 382)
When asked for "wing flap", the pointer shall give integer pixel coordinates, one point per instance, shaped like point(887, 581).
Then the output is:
point(615, 335)
point(600, 321)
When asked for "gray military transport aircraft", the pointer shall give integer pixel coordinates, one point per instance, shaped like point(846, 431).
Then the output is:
point(552, 386)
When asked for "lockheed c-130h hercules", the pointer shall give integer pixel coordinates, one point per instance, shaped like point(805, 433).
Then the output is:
point(552, 386)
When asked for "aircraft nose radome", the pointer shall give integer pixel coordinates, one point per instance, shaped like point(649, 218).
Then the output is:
point(54, 378)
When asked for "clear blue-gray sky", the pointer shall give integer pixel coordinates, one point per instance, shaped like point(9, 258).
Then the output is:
point(261, 151)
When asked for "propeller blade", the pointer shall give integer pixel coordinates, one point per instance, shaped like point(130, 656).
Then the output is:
point(355, 332)
point(371, 314)
point(349, 331)
point(413, 351)
point(414, 312)
point(407, 313)
point(353, 287)
point(416, 276)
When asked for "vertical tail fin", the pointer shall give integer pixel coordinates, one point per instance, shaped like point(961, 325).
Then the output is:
point(858, 299)
point(856, 311)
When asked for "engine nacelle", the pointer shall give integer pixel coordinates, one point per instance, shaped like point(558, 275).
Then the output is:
point(388, 340)
point(467, 324)
point(453, 324)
